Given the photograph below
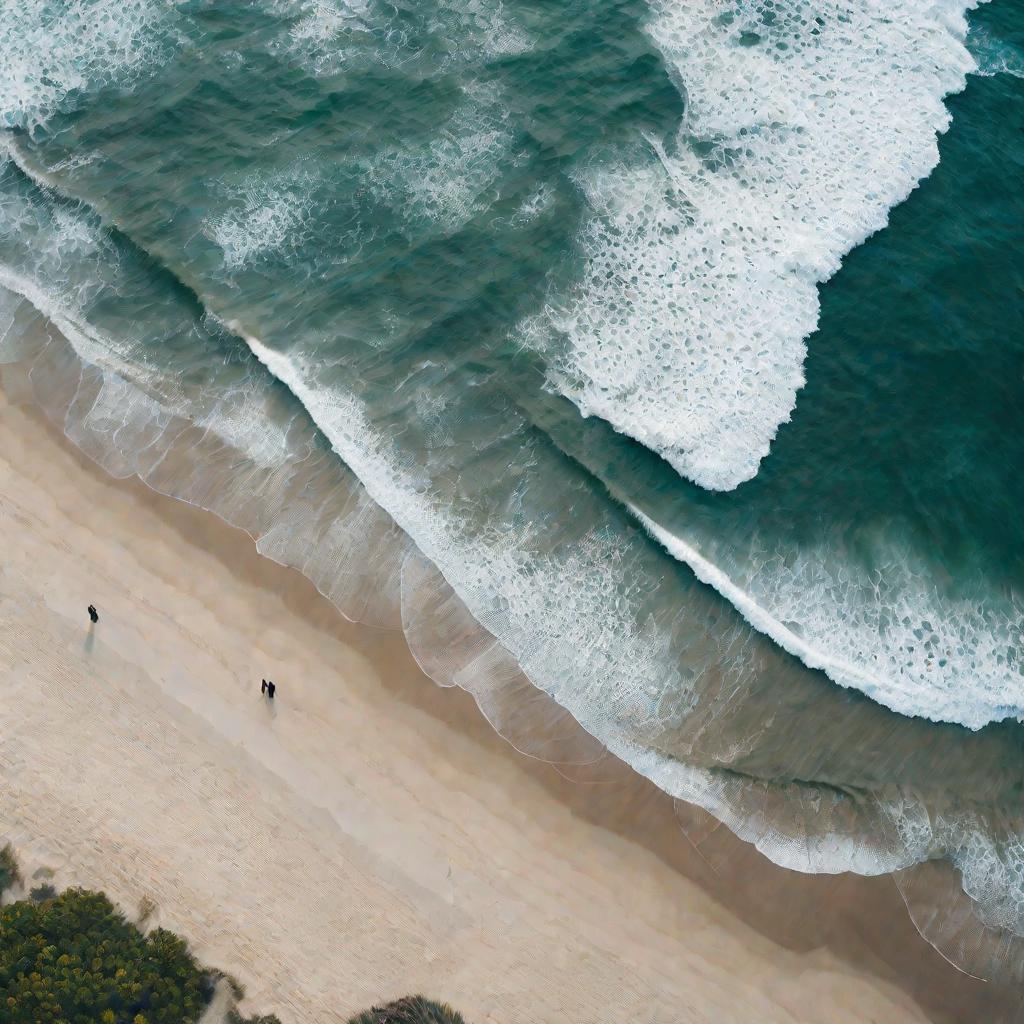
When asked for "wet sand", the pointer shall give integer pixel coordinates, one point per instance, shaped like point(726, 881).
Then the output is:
point(368, 835)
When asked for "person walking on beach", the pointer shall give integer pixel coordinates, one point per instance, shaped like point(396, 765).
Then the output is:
point(263, 686)
point(94, 616)
point(270, 690)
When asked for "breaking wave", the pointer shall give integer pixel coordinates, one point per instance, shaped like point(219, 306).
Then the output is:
point(804, 125)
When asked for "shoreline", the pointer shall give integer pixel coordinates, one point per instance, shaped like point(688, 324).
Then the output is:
point(411, 847)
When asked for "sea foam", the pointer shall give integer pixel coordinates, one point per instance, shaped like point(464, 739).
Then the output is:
point(804, 125)
point(51, 55)
point(995, 56)
point(891, 632)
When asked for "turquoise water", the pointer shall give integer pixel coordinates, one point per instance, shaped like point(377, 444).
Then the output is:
point(537, 286)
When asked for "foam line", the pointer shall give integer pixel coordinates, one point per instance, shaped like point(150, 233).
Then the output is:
point(761, 619)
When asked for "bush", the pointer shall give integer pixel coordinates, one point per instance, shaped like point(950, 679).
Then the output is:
point(74, 959)
point(410, 1010)
point(42, 893)
point(9, 873)
point(237, 988)
point(147, 908)
point(234, 1017)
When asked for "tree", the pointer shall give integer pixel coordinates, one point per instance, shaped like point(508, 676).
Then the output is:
point(410, 1010)
point(74, 958)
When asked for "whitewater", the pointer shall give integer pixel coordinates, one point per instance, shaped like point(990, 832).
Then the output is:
point(687, 329)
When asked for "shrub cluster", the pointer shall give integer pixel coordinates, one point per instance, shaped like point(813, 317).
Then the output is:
point(73, 958)
point(411, 1010)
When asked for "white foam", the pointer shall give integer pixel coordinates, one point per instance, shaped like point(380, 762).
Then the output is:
point(267, 216)
point(450, 179)
point(329, 37)
point(322, 34)
point(540, 200)
point(890, 633)
point(703, 256)
point(440, 184)
point(572, 607)
point(49, 52)
point(760, 618)
point(240, 417)
point(995, 56)
point(67, 259)
point(490, 27)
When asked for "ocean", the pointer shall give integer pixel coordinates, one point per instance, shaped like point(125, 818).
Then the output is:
point(662, 360)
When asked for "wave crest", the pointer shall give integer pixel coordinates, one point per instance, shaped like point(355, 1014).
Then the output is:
point(804, 125)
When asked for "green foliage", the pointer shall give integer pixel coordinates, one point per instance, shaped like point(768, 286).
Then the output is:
point(237, 988)
point(9, 873)
point(42, 893)
point(234, 1017)
point(74, 959)
point(411, 1010)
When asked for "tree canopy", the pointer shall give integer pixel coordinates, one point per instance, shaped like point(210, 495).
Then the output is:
point(410, 1010)
point(74, 959)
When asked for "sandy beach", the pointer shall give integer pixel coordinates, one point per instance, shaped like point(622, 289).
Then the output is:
point(368, 835)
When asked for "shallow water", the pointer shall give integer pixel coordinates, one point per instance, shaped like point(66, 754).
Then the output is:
point(542, 284)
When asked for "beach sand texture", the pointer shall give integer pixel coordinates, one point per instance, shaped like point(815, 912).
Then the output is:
point(369, 835)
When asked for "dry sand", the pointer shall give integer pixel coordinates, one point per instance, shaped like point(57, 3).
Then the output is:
point(368, 835)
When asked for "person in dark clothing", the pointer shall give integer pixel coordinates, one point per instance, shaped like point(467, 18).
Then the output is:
point(270, 690)
point(263, 686)
point(94, 616)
